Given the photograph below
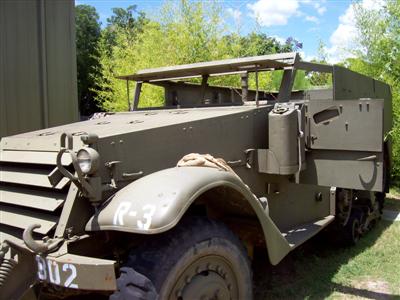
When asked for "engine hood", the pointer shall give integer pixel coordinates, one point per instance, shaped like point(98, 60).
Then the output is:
point(113, 124)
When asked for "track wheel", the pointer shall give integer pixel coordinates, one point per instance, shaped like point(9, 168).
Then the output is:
point(353, 229)
point(198, 259)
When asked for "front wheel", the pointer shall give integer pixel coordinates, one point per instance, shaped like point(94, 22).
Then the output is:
point(199, 259)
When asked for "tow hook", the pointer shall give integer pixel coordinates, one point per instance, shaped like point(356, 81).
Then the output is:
point(39, 247)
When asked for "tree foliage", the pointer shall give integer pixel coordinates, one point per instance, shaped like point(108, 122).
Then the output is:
point(87, 56)
point(379, 57)
point(318, 79)
point(128, 20)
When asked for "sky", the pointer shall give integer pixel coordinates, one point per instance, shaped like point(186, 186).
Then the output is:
point(308, 21)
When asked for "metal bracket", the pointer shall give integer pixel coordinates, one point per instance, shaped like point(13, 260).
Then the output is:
point(132, 175)
point(249, 157)
point(235, 163)
point(264, 203)
point(332, 202)
point(112, 166)
point(66, 141)
point(249, 154)
point(4, 247)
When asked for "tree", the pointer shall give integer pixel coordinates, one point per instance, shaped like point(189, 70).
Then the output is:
point(87, 37)
point(319, 79)
point(129, 20)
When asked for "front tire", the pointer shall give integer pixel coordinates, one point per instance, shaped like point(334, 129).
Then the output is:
point(198, 259)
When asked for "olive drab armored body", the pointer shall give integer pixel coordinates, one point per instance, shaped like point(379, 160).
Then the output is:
point(171, 201)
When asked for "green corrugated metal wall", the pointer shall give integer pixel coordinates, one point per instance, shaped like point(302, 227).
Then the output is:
point(37, 65)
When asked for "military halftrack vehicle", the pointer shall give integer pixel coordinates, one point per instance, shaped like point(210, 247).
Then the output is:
point(170, 202)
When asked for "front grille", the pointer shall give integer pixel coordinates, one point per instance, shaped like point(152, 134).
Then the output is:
point(26, 194)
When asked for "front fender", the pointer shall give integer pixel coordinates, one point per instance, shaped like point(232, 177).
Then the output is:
point(156, 202)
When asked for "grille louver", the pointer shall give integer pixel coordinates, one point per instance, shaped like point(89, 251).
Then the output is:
point(26, 195)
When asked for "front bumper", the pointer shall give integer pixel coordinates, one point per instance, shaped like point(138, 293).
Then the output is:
point(77, 272)
point(66, 270)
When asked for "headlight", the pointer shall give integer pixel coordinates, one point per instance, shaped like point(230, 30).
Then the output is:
point(88, 160)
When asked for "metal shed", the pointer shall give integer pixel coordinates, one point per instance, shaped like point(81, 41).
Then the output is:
point(38, 85)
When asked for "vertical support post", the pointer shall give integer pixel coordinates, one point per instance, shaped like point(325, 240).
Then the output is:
point(43, 60)
point(285, 89)
point(245, 86)
point(127, 95)
point(257, 103)
point(138, 88)
point(204, 80)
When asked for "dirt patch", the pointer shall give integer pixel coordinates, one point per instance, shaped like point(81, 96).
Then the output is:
point(366, 288)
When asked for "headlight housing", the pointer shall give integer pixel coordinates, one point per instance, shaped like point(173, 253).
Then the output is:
point(88, 160)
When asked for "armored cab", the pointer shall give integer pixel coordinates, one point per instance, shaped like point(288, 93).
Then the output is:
point(171, 201)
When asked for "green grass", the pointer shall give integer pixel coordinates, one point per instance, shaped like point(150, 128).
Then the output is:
point(393, 199)
point(395, 190)
point(321, 269)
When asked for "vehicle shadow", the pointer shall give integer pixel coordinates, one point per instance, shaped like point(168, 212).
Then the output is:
point(308, 271)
